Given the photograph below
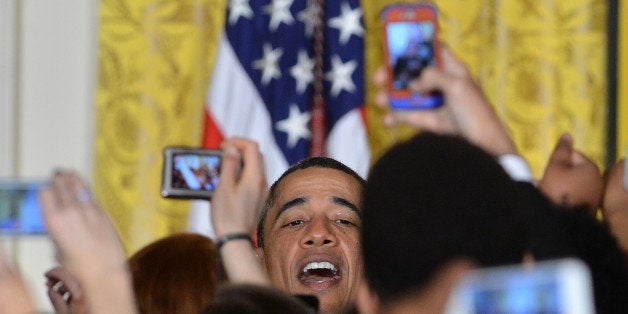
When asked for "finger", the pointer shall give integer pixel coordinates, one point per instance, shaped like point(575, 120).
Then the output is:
point(252, 158)
point(380, 76)
point(60, 277)
point(61, 188)
point(432, 79)
point(451, 64)
point(229, 165)
point(78, 188)
point(58, 302)
point(563, 151)
point(55, 273)
point(381, 99)
point(50, 205)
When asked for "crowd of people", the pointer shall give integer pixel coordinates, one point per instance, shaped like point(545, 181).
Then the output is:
point(453, 198)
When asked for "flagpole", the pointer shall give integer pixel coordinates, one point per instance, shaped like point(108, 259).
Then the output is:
point(319, 123)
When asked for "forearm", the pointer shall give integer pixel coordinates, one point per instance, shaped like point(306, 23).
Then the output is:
point(242, 264)
point(110, 292)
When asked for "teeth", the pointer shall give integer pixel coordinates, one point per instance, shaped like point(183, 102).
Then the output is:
point(319, 265)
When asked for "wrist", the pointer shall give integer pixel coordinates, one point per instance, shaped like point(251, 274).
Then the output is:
point(225, 238)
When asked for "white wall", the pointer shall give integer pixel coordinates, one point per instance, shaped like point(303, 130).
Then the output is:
point(47, 77)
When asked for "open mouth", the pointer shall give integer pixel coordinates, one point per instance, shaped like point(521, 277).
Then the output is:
point(315, 273)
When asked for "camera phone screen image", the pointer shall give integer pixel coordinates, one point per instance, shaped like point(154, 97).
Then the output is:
point(195, 172)
point(411, 49)
point(20, 210)
point(520, 297)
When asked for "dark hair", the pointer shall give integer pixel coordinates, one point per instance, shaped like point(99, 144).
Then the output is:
point(430, 200)
point(176, 274)
point(255, 299)
point(557, 231)
point(321, 162)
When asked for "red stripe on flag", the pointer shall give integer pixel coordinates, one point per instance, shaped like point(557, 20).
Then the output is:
point(212, 137)
point(364, 115)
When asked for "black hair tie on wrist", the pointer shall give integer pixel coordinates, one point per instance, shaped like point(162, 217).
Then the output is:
point(232, 236)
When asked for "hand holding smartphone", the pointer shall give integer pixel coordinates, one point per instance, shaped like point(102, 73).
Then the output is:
point(410, 45)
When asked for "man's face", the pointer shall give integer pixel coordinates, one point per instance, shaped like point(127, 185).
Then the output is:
point(311, 236)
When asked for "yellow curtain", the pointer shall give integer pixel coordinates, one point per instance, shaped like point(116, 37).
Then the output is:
point(622, 84)
point(542, 64)
point(154, 62)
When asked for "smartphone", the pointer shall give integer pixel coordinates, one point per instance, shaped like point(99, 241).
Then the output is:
point(190, 173)
point(556, 286)
point(20, 210)
point(410, 45)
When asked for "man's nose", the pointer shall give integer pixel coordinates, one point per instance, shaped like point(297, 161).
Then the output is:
point(319, 233)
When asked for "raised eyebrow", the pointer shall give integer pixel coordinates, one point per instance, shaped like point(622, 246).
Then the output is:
point(292, 203)
point(344, 202)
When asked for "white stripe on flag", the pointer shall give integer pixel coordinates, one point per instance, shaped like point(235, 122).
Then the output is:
point(238, 109)
point(348, 142)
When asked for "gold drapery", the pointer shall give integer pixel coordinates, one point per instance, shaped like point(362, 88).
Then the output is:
point(154, 62)
point(541, 63)
point(622, 84)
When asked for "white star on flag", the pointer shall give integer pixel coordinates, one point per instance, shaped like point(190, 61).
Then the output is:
point(303, 71)
point(348, 23)
point(269, 64)
point(295, 125)
point(239, 8)
point(309, 17)
point(261, 85)
point(340, 75)
point(279, 11)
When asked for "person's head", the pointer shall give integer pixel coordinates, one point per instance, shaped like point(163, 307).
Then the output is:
point(571, 179)
point(308, 237)
point(557, 232)
point(432, 201)
point(615, 203)
point(255, 299)
point(176, 274)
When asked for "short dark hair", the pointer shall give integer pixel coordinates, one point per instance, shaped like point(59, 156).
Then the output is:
point(430, 200)
point(248, 298)
point(321, 162)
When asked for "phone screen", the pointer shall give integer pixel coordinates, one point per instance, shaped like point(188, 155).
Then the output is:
point(558, 286)
point(519, 295)
point(190, 172)
point(20, 210)
point(411, 49)
point(195, 172)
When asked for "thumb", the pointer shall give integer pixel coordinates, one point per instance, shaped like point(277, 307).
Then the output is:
point(563, 151)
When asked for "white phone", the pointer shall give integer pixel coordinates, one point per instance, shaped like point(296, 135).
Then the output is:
point(557, 286)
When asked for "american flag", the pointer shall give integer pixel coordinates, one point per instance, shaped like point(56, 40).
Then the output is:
point(262, 83)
